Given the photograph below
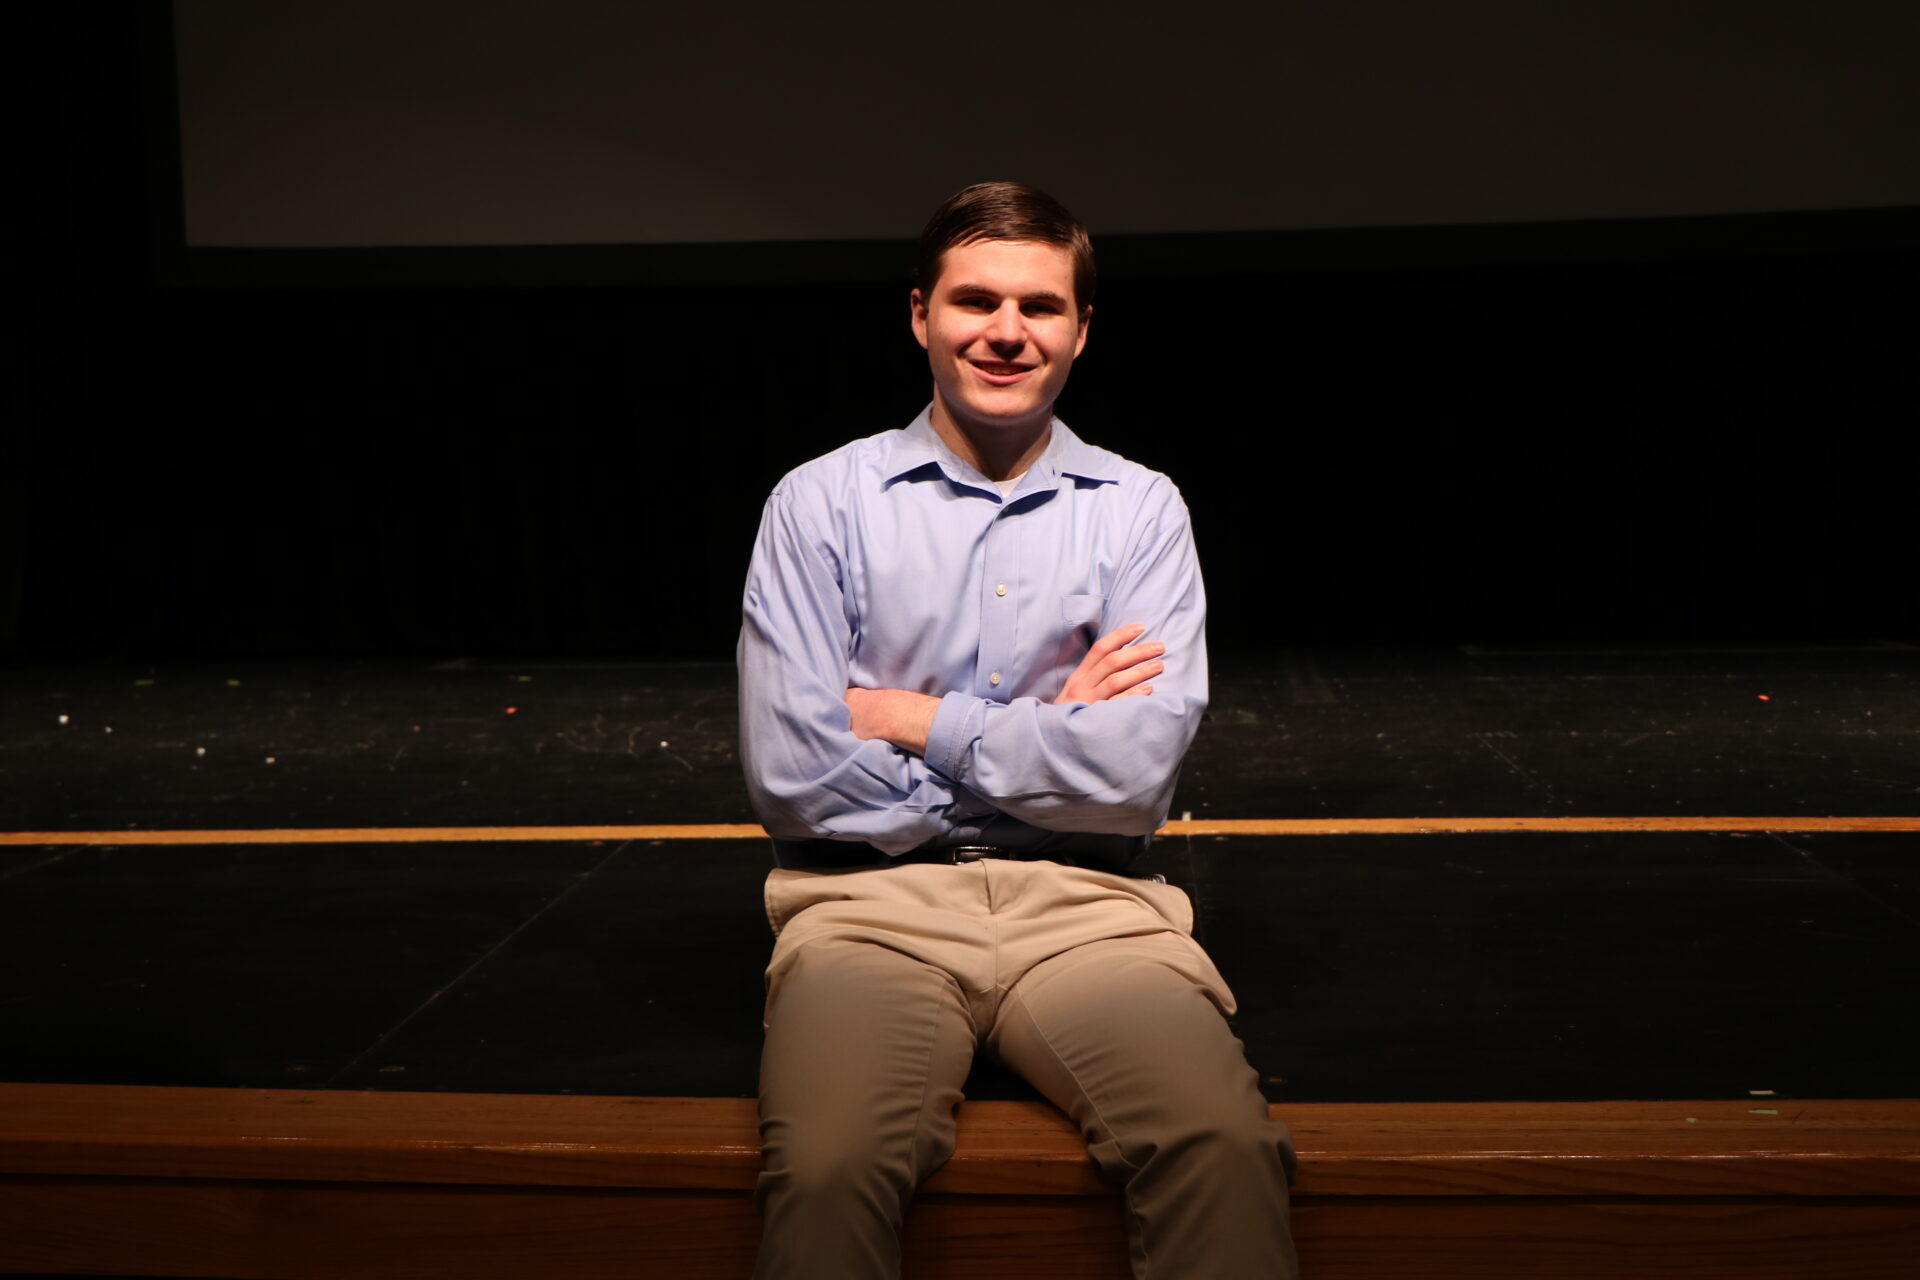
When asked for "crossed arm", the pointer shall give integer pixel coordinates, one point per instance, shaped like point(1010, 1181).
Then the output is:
point(897, 767)
point(1114, 667)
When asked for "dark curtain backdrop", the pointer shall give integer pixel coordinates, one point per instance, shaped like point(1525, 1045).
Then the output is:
point(1679, 430)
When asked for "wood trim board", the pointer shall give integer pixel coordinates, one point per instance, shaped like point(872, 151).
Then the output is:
point(1742, 1148)
point(286, 1185)
point(751, 831)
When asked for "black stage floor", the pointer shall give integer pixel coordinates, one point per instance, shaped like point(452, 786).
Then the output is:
point(1547, 965)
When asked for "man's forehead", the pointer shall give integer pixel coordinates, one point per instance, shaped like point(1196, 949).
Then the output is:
point(1029, 268)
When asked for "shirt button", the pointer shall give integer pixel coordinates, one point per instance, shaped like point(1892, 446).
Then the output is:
point(1000, 590)
point(994, 678)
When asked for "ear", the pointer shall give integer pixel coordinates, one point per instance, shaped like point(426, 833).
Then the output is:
point(919, 305)
point(1080, 342)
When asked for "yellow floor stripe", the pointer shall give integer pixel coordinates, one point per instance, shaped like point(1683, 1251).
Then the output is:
point(1448, 826)
point(393, 835)
point(748, 831)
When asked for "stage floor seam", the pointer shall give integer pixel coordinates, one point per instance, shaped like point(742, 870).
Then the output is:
point(1221, 827)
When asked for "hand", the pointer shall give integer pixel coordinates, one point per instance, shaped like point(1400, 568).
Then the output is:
point(1111, 671)
point(899, 716)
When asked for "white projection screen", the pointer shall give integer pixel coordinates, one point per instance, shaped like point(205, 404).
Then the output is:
point(531, 122)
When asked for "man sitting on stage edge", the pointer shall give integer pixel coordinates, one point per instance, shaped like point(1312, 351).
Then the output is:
point(972, 656)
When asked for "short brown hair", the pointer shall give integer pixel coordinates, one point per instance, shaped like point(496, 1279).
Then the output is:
point(1004, 211)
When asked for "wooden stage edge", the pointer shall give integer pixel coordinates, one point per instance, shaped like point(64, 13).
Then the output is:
point(750, 831)
point(287, 1184)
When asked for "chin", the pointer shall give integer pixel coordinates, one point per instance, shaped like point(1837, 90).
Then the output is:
point(1010, 419)
point(1009, 408)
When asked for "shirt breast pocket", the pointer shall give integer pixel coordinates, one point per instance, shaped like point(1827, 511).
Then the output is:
point(1082, 615)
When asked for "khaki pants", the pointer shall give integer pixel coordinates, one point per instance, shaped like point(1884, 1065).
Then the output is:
point(885, 983)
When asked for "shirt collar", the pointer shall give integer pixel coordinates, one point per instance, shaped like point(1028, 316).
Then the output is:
point(919, 445)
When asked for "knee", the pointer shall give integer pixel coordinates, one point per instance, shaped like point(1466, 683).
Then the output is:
point(849, 1165)
point(1228, 1146)
point(1249, 1145)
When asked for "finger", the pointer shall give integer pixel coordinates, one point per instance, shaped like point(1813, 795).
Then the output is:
point(1107, 643)
point(1122, 680)
point(1138, 691)
point(1122, 659)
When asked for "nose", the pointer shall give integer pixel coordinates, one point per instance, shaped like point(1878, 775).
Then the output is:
point(1008, 327)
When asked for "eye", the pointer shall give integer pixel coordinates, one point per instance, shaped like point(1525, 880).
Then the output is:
point(1041, 309)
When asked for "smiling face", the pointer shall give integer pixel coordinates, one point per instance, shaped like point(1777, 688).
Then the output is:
point(1001, 329)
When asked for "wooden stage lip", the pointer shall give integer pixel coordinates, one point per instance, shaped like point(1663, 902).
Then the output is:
point(281, 1185)
point(1741, 1148)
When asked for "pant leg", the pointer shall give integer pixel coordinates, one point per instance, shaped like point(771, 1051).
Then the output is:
point(866, 1050)
point(1143, 1060)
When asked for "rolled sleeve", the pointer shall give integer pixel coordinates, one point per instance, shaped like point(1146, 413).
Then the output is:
point(1107, 766)
point(956, 728)
point(807, 774)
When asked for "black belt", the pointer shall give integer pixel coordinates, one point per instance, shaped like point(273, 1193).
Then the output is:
point(839, 854)
point(847, 855)
point(959, 853)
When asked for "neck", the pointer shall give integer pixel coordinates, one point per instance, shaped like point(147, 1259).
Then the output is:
point(996, 452)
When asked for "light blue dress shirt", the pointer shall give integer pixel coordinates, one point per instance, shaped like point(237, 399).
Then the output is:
point(891, 563)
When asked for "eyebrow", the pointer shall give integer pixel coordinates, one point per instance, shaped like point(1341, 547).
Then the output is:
point(1042, 296)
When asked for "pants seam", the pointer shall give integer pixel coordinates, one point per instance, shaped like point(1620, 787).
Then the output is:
point(1126, 1187)
point(926, 1088)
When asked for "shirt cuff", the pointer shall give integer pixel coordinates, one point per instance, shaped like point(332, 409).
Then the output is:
point(956, 727)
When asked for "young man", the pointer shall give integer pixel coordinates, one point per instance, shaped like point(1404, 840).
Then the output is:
point(972, 656)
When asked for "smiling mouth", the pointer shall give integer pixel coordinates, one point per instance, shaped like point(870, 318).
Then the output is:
point(1000, 369)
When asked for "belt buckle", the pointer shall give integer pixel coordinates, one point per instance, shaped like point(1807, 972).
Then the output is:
point(971, 852)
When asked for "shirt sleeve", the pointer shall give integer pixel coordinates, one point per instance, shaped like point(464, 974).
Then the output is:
point(1106, 766)
point(807, 774)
